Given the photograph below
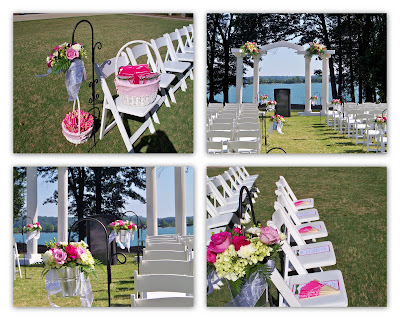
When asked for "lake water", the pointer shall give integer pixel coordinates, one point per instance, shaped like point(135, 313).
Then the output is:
point(297, 94)
point(46, 237)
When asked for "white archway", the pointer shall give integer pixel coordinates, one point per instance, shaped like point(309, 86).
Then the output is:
point(239, 54)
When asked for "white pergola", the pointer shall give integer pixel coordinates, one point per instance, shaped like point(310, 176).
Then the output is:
point(32, 255)
point(239, 54)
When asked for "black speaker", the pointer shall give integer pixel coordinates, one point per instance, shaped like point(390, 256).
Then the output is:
point(96, 239)
point(282, 98)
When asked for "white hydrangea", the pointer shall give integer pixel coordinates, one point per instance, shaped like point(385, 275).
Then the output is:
point(246, 251)
point(48, 258)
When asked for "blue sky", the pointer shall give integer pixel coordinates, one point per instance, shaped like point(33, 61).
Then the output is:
point(165, 195)
point(284, 62)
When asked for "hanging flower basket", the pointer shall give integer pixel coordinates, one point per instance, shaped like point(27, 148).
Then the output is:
point(77, 126)
point(264, 98)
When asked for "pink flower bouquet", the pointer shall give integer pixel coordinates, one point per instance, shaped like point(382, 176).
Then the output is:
point(118, 225)
point(381, 120)
point(315, 49)
point(336, 101)
point(69, 255)
point(278, 118)
point(271, 103)
point(60, 59)
point(234, 255)
point(250, 48)
point(33, 227)
point(76, 121)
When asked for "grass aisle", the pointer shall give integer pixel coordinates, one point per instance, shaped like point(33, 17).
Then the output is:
point(40, 104)
point(309, 135)
point(353, 204)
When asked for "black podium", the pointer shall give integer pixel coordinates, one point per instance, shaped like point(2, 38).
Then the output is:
point(96, 240)
point(282, 98)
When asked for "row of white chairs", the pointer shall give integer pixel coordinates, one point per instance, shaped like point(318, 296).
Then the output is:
point(233, 128)
point(168, 55)
point(357, 121)
point(166, 273)
point(222, 199)
point(302, 254)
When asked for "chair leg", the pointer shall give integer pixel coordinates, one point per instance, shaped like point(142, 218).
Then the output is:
point(171, 95)
point(164, 94)
point(103, 123)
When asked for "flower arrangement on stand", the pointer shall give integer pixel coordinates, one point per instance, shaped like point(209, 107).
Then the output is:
point(251, 48)
point(264, 98)
point(336, 102)
point(315, 49)
point(61, 57)
point(122, 232)
point(33, 231)
point(67, 267)
point(276, 123)
point(242, 258)
point(314, 100)
point(277, 118)
point(271, 103)
point(380, 122)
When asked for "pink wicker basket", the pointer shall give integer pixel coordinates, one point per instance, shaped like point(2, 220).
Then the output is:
point(137, 95)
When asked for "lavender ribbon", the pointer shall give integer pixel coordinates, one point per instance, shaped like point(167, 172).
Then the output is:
point(74, 76)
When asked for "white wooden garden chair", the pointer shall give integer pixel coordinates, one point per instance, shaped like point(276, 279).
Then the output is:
point(118, 109)
point(162, 290)
point(174, 246)
point(179, 51)
point(302, 203)
point(187, 44)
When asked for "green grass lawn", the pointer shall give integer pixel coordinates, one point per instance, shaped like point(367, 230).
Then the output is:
point(31, 292)
point(352, 202)
point(40, 104)
point(309, 135)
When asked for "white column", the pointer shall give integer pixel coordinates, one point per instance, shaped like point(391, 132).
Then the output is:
point(239, 77)
point(180, 201)
point(151, 200)
point(307, 84)
point(325, 83)
point(32, 255)
point(62, 226)
point(256, 79)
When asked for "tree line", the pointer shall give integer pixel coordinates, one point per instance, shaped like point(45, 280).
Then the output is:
point(359, 40)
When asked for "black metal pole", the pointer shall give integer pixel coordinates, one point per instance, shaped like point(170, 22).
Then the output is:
point(107, 251)
point(92, 84)
point(138, 228)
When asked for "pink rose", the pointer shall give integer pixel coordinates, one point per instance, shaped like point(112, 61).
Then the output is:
point(72, 54)
point(269, 235)
point(220, 242)
point(80, 251)
point(237, 230)
point(71, 251)
point(211, 256)
point(130, 227)
point(239, 242)
point(60, 256)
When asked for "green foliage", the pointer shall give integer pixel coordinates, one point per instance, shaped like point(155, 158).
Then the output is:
point(19, 192)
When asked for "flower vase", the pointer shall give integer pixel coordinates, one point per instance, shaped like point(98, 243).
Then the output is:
point(123, 234)
point(252, 292)
point(313, 102)
point(275, 125)
point(69, 279)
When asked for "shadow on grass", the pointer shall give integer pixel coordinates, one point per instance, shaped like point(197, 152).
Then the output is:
point(156, 143)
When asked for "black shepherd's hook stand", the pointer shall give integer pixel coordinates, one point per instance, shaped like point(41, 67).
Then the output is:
point(92, 84)
point(264, 129)
point(138, 240)
point(241, 213)
point(107, 251)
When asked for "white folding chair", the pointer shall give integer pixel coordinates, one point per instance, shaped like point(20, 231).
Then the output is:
point(165, 255)
point(298, 217)
point(290, 290)
point(179, 51)
point(166, 267)
point(162, 290)
point(16, 261)
point(181, 69)
point(215, 146)
point(165, 246)
point(187, 44)
point(118, 109)
point(138, 51)
point(303, 203)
